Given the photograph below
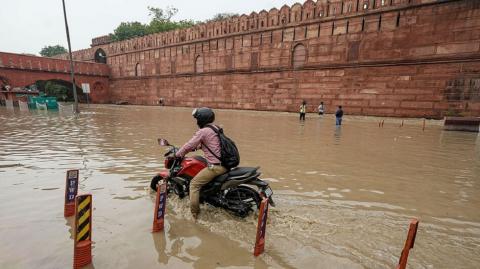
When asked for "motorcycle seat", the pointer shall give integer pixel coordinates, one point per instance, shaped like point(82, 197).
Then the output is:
point(242, 171)
point(237, 174)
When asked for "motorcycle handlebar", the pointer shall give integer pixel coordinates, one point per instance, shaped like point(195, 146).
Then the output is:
point(172, 150)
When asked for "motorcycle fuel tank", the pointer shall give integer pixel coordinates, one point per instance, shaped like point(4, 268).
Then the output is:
point(191, 166)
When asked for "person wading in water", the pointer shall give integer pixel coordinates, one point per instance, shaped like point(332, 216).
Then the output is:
point(303, 110)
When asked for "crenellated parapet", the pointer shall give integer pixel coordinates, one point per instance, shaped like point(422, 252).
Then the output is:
point(102, 40)
point(22, 62)
point(287, 16)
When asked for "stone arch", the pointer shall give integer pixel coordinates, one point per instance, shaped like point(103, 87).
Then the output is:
point(308, 10)
point(296, 12)
point(253, 21)
point(234, 24)
point(285, 15)
point(243, 23)
point(66, 94)
point(365, 4)
point(273, 17)
point(217, 26)
point(99, 88)
point(3, 82)
point(199, 64)
point(138, 70)
point(100, 56)
point(299, 56)
point(263, 19)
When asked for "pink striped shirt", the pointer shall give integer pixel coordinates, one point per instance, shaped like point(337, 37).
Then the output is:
point(202, 137)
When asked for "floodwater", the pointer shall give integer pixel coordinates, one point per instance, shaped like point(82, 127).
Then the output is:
point(344, 196)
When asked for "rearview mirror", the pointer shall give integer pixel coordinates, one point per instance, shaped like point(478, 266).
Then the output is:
point(163, 142)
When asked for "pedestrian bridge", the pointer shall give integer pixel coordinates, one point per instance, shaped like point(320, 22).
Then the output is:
point(19, 70)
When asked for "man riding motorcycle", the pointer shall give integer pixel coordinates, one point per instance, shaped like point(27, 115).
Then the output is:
point(208, 141)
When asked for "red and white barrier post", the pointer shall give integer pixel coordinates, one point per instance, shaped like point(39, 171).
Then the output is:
point(82, 251)
point(160, 206)
point(261, 228)
point(409, 243)
point(71, 190)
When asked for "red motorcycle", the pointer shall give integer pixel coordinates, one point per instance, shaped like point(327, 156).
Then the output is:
point(239, 190)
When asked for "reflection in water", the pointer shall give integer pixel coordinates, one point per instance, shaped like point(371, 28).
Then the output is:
point(160, 243)
point(343, 201)
point(70, 223)
point(338, 134)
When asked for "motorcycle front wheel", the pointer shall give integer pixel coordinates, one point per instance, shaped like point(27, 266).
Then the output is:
point(154, 182)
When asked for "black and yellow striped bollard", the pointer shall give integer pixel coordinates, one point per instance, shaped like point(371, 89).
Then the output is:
point(82, 253)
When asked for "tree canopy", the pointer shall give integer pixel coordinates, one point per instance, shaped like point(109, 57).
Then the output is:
point(161, 21)
point(222, 16)
point(49, 51)
point(128, 30)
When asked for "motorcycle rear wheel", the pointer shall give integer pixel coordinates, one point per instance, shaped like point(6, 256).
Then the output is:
point(245, 195)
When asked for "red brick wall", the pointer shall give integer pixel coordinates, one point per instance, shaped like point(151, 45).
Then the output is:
point(405, 58)
point(410, 90)
point(23, 70)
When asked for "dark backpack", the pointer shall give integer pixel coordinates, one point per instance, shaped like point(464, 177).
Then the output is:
point(229, 155)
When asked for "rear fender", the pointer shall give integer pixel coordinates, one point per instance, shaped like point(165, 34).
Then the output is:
point(259, 183)
point(235, 183)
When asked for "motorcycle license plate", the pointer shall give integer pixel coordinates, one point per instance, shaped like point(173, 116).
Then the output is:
point(268, 192)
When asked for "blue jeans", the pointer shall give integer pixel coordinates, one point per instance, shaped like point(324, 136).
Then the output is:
point(339, 121)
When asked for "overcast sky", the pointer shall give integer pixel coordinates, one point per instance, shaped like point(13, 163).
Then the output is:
point(26, 26)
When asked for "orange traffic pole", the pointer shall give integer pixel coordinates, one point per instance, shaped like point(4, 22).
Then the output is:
point(261, 228)
point(71, 190)
point(82, 251)
point(160, 206)
point(409, 243)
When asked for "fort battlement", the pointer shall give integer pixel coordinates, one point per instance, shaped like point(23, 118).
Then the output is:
point(308, 13)
point(376, 57)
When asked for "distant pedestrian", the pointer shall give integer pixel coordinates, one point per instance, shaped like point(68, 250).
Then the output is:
point(321, 109)
point(303, 110)
point(339, 115)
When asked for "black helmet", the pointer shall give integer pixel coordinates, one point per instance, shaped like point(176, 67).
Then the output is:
point(204, 116)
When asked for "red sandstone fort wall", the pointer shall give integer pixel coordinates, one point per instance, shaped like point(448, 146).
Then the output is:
point(17, 70)
point(377, 57)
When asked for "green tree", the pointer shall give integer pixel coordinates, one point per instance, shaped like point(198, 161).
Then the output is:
point(222, 16)
point(159, 14)
point(49, 51)
point(55, 89)
point(128, 30)
point(159, 26)
point(161, 21)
